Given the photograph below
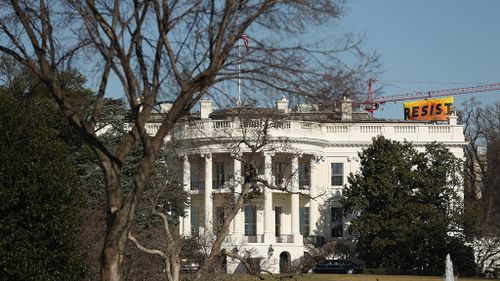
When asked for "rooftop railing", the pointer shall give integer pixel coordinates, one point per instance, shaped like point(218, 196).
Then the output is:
point(197, 185)
point(318, 131)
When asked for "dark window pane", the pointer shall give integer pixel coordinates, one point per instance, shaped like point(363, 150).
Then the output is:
point(336, 222)
point(194, 221)
point(277, 220)
point(220, 217)
point(337, 171)
point(304, 221)
point(279, 172)
point(250, 220)
point(337, 180)
point(304, 174)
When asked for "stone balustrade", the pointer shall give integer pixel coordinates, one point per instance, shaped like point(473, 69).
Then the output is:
point(323, 132)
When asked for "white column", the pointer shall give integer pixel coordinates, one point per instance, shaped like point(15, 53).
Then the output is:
point(186, 180)
point(208, 194)
point(269, 235)
point(313, 192)
point(238, 227)
point(297, 238)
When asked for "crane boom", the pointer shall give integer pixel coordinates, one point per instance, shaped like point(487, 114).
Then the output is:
point(373, 104)
point(438, 93)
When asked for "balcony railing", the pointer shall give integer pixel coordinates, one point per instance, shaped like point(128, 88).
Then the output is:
point(314, 240)
point(284, 238)
point(197, 185)
point(254, 239)
point(335, 132)
point(217, 184)
point(306, 184)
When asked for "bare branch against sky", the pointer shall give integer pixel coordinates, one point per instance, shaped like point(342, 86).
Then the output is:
point(181, 50)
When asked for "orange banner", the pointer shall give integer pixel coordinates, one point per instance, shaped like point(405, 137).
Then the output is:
point(429, 110)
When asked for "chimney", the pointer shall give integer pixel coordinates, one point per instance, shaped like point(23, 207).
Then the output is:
point(205, 108)
point(452, 118)
point(282, 104)
point(165, 107)
point(346, 109)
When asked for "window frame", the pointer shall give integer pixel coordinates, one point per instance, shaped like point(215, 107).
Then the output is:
point(279, 172)
point(250, 227)
point(337, 225)
point(304, 175)
point(220, 213)
point(305, 221)
point(277, 220)
point(336, 175)
point(195, 221)
point(220, 176)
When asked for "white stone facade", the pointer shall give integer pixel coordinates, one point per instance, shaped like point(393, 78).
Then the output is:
point(323, 154)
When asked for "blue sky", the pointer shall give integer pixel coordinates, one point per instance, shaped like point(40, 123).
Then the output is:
point(430, 40)
point(423, 40)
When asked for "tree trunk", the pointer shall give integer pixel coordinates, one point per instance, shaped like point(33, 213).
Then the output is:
point(111, 264)
point(121, 216)
point(173, 268)
point(176, 270)
point(114, 246)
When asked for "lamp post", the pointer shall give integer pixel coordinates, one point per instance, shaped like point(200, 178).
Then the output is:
point(270, 251)
point(234, 251)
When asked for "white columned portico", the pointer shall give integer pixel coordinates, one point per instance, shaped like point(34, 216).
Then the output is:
point(238, 218)
point(186, 181)
point(297, 238)
point(208, 194)
point(269, 236)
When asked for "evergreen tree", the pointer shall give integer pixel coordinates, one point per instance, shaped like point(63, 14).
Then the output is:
point(409, 210)
point(38, 195)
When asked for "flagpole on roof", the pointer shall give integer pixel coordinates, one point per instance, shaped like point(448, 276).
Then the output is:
point(238, 102)
point(244, 37)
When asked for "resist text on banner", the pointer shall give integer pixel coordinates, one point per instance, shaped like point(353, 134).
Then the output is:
point(429, 110)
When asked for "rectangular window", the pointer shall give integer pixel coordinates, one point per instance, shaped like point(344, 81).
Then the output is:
point(220, 213)
point(194, 172)
point(336, 222)
point(304, 221)
point(277, 221)
point(196, 182)
point(304, 175)
point(250, 220)
point(337, 174)
point(195, 225)
point(219, 174)
point(279, 172)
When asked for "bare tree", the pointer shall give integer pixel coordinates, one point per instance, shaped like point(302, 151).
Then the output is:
point(252, 133)
point(482, 129)
point(487, 250)
point(253, 141)
point(184, 49)
point(482, 178)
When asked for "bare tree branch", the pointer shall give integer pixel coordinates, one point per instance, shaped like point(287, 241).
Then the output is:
point(144, 249)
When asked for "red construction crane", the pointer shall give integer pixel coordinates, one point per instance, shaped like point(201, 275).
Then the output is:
point(372, 105)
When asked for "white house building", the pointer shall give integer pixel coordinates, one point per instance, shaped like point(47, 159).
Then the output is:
point(321, 151)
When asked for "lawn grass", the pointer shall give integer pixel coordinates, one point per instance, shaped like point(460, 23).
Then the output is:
point(354, 277)
point(367, 277)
